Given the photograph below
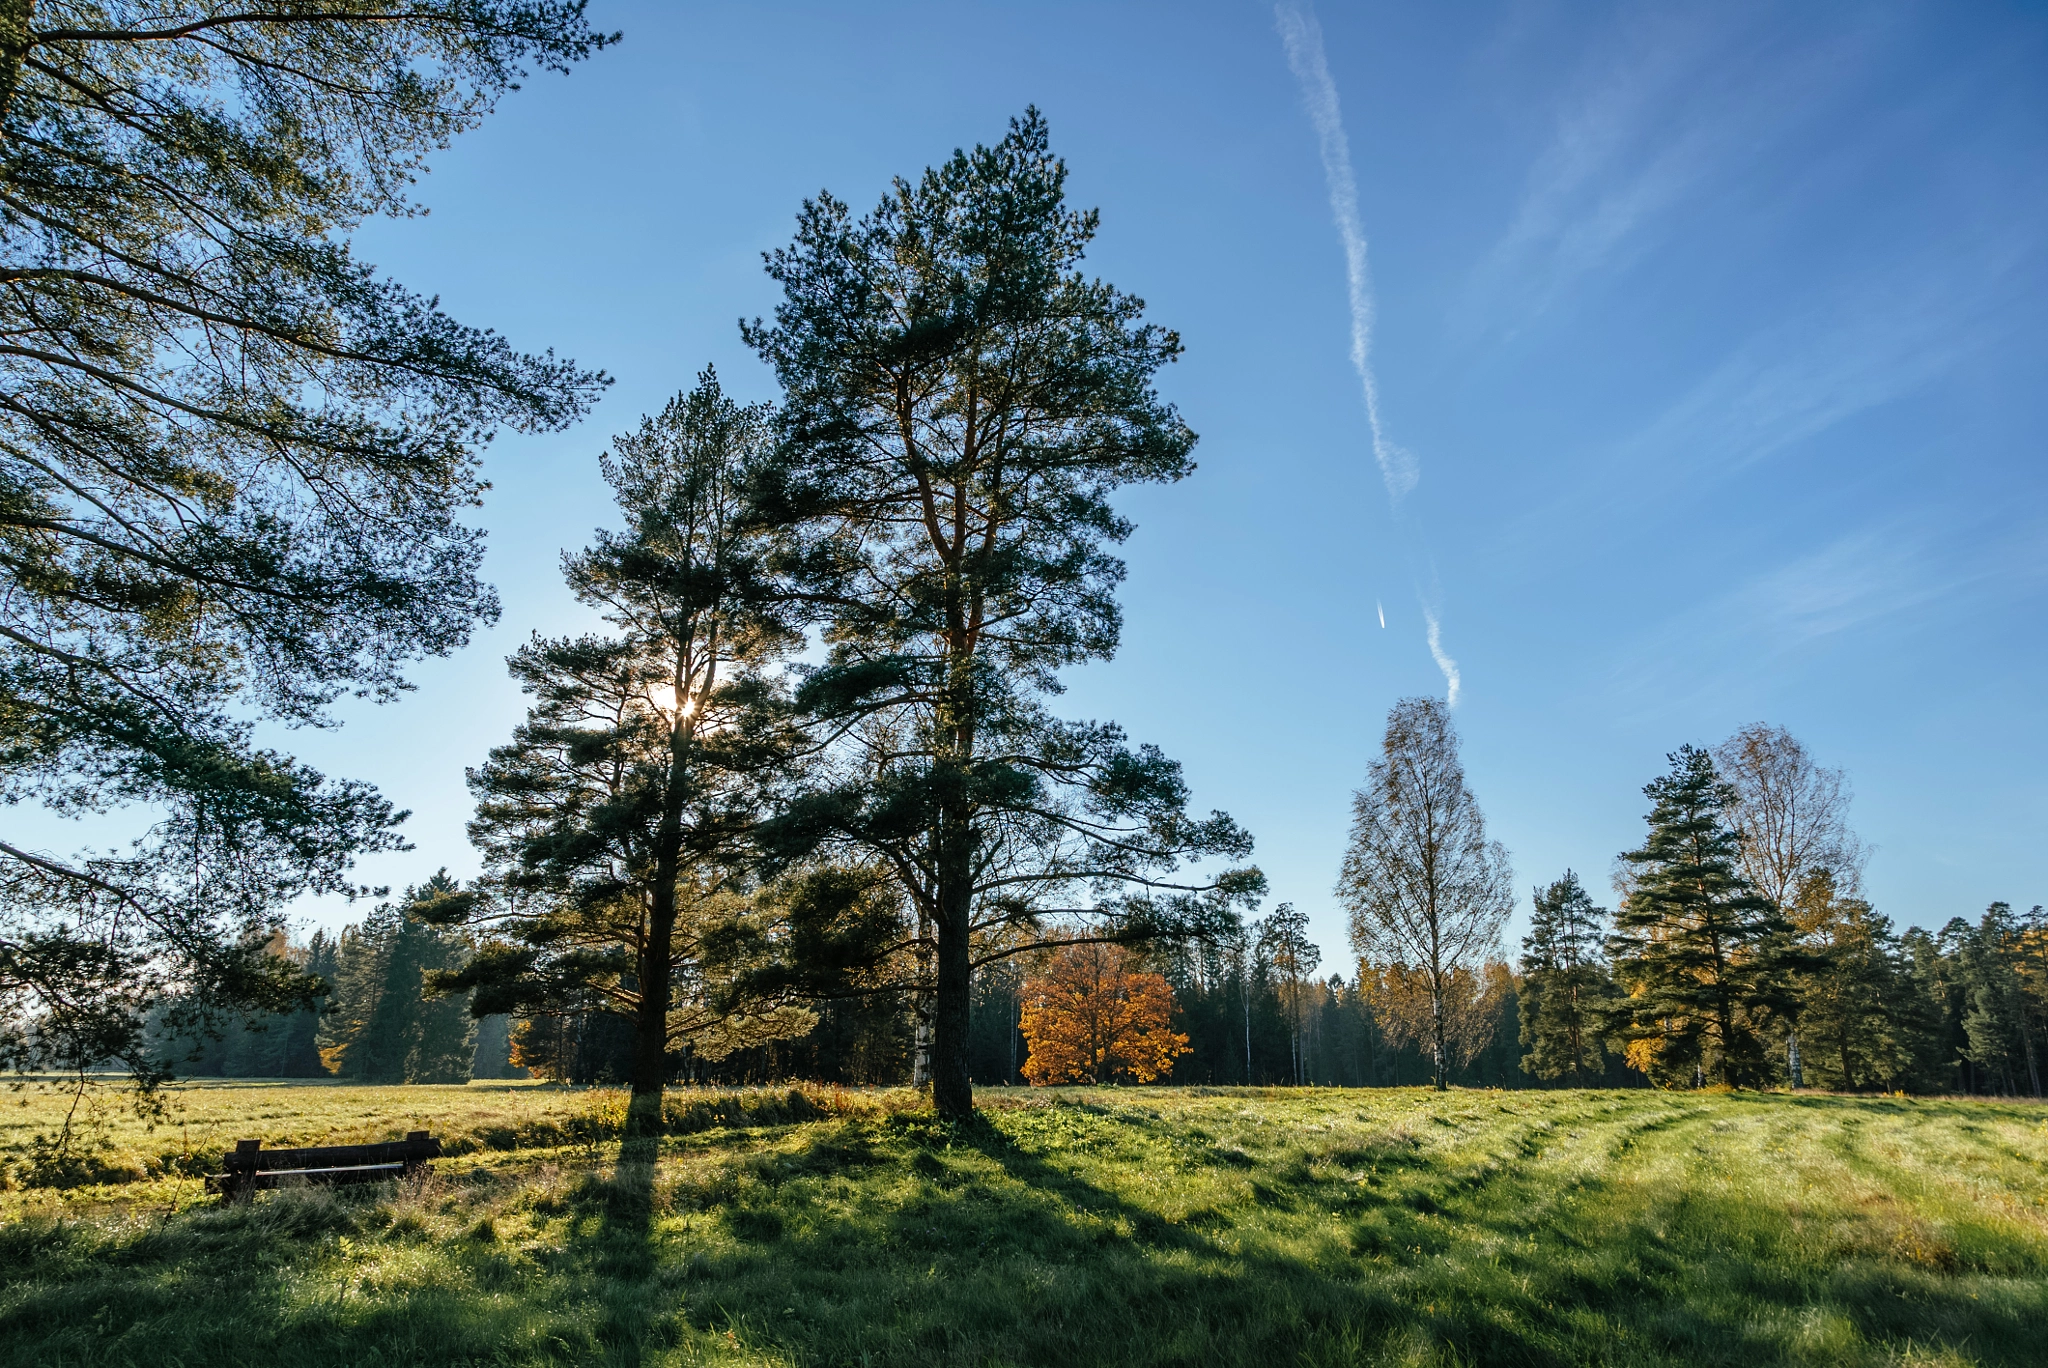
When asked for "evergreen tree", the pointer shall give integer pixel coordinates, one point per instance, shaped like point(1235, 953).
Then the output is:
point(1937, 1025)
point(1997, 1020)
point(1567, 993)
point(1857, 1005)
point(618, 823)
point(1705, 960)
point(429, 1035)
point(960, 404)
point(234, 468)
point(381, 1024)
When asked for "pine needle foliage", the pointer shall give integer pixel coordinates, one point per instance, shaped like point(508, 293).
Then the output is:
point(960, 405)
point(618, 823)
point(1566, 991)
point(1704, 959)
point(235, 466)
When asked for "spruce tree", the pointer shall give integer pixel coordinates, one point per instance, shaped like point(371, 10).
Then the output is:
point(1997, 1019)
point(1567, 993)
point(1704, 960)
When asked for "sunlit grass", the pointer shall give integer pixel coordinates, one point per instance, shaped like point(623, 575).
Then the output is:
point(1114, 1226)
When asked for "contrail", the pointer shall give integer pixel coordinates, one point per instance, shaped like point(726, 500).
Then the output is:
point(1303, 38)
point(1383, 613)
point(1443, 662)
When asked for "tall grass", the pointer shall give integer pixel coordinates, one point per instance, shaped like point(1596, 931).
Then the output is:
point(1114, 1226)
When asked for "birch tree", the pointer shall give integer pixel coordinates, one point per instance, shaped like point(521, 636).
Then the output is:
point(1792, 817)
point(1424, 886)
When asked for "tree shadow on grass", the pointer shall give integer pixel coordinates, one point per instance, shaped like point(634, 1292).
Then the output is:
point(913, 1243)
point(622, 1259)
point(992, 1252)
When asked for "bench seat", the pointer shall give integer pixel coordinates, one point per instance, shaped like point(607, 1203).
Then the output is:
point(250, 1166)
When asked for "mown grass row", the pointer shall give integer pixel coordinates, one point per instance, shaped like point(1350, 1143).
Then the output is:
point(1118, 1227)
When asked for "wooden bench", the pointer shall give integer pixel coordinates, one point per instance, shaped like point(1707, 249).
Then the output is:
point(251, 1166)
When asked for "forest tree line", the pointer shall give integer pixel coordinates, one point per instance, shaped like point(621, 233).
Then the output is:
point(1959, 1010)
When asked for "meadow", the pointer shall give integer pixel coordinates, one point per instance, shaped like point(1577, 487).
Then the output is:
point(1065, 1226)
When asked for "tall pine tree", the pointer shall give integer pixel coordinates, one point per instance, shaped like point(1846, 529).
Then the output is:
point(961, 403)
point(1704, 959)
point(618, 823)
point(1567, 992)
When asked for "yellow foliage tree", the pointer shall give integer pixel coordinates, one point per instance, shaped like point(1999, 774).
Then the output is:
point(1090, 1016)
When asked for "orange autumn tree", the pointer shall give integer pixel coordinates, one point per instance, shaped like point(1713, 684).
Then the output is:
point(1090, 1016)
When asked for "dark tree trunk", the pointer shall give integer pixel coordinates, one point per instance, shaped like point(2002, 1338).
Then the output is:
point(657, 954)
point(952, 1089)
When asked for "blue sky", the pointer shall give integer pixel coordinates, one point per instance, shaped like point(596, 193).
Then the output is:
point(1715, 335)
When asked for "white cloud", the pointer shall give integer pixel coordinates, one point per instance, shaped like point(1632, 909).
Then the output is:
point(1894, 577)
point(1671, 109)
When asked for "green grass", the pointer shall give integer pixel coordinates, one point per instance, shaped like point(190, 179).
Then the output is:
point(1080, 1226)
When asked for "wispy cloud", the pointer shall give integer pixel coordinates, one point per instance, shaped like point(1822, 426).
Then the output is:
point(1443, 662)
point(1303, 39)
point(1809, 373)
point(1673, 108)
point(1896, 576)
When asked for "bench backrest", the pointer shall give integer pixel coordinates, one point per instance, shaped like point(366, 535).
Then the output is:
point(249, 1156)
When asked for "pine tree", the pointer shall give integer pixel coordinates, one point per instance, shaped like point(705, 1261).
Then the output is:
point(382, 1025)
point(960, 405)
point(1704, 960)
point(1856, 1009)
point(1997, 1020)
point(1567, 993)
point(618, 825)
point(236, 467)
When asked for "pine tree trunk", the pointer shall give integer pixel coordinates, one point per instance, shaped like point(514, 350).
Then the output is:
point(952, 1090)
point(657, 952)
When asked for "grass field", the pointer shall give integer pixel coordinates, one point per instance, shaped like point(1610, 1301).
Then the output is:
point(1069, 1227)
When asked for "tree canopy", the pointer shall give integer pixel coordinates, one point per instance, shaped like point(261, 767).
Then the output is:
point(1424, 885)
point(1704, 958)
point(959, 405)
point(235, 463)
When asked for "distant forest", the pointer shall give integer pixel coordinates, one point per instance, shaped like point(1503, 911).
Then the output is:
point(1928, 1012)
